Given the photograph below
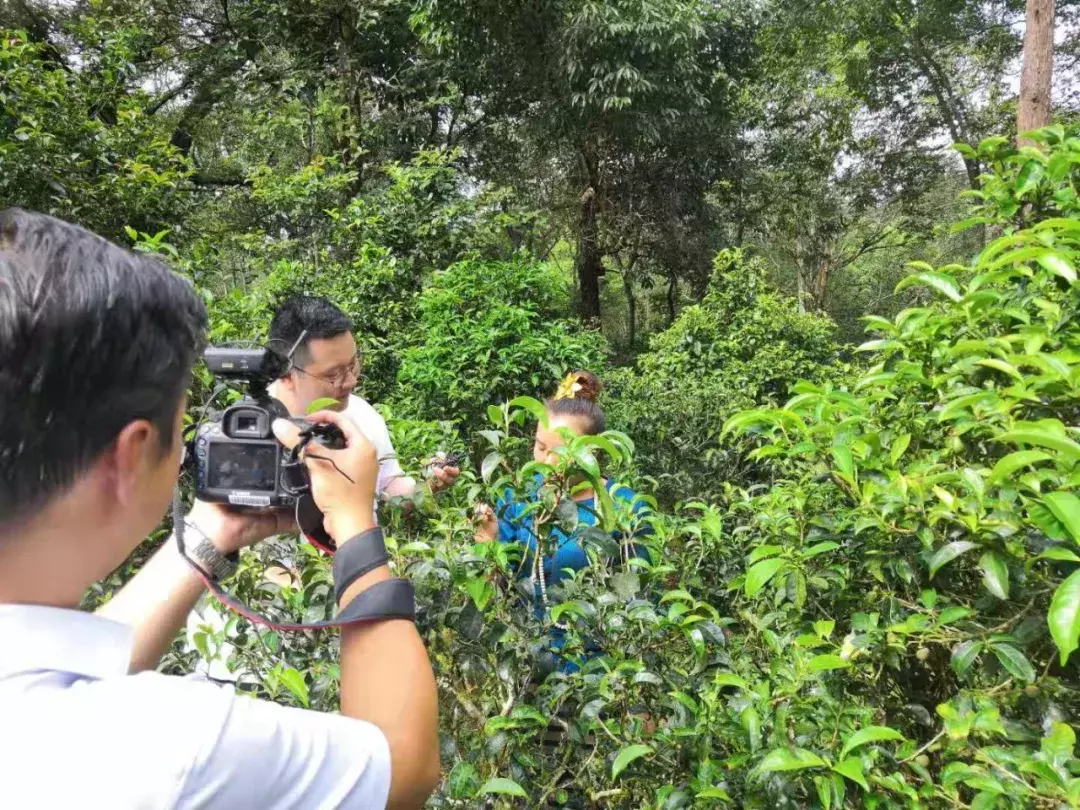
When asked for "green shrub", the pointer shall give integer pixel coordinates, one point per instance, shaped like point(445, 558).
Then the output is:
point(489, 331)
point(928, 521)
point(745, 344)
point(81, 144)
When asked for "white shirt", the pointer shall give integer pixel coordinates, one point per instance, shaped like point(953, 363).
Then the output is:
point(373, 426)
point(78, 731)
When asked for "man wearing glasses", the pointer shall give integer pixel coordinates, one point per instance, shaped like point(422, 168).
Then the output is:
point(326, 366)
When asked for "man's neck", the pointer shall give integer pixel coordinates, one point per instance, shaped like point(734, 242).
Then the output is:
point(49, 561)
point(277, 391)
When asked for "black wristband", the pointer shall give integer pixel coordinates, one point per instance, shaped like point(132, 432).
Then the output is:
point(363, 553)
point(389, 599)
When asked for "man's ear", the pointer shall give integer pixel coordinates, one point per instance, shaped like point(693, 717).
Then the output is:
point(288, 381)
point(133, 452)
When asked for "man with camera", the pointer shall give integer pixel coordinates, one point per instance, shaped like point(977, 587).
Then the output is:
point(317, 337)
point(323, 363)
point(96, 350)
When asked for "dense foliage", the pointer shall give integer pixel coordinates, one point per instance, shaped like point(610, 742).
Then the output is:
point(860, 585)
point(889, 623)
point(742, 345)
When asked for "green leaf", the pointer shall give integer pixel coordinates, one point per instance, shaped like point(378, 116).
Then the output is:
point(823, 663)
point(507, 787)
point(294, 682)
point(1059, 554)
point(133, 234)
point(790, 759)
point(824, 627)
point(321, 405)
point(491, 462)
point(819, 548)
point(533, 406)
point(628, 755)
point(824, 791)
point(868, 735)
point(942, 282)
point(1028, 178)
point(995, 574)
point(1001, 365)
point(947, 554)
point(964, 655)
point(759, 575)
point(481, 591)
point(1066, 508)
point(852, 769)
point(1042, 438)
point(714, 793)
point(1064, 616)
point(751, 723)
point(730, 679)
point(1058, 266)
point(1058, 745)
point(1015, 461)
point(1014, 662)
point(844, 463)
point(585, 459)
point(899, 445)
point(761, 552)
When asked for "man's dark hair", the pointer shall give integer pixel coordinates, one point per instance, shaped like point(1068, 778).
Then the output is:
point(92, 337)
point(312, 314)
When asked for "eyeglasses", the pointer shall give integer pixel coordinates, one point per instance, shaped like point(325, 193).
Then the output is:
point(339, 377)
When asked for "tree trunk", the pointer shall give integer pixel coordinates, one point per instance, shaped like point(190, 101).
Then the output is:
point(1034, 108)
point(631, 311)
point(589, 261)
point(672, 289)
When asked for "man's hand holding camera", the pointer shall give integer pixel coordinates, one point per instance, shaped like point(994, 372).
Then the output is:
point(342, 481)
point(231, 530)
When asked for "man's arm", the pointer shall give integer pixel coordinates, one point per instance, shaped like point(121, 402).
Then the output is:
point(386, 677)
point(157, 600)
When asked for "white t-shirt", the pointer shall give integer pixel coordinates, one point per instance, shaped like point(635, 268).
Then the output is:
point(209, 616)
point(373, 426)
point(78, 731)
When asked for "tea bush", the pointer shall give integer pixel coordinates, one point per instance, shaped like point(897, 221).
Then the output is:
point(744, 345)
point(487, 331)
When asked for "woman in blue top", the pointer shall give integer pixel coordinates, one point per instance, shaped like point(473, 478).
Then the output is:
point(573, 407)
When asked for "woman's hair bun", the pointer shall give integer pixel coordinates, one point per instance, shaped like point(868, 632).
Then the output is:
point(579, 384)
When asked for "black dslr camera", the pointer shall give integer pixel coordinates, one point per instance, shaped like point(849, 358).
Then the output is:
point(237, 460)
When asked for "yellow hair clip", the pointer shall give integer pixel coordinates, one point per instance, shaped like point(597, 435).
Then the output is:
point(569, 387)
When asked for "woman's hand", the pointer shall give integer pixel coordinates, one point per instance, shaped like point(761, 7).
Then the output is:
point(442, 475)
point(487, 528)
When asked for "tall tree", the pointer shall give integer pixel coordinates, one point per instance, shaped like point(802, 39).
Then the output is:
point(1033, 111)
point(618, 101)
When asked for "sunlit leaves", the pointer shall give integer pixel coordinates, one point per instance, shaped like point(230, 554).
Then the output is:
point(868, 735)
point(759, 575)
point(790, 759)
point(1064, 616)
point(626, 756)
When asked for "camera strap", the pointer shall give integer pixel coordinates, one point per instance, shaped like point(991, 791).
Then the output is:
point(389, 599)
